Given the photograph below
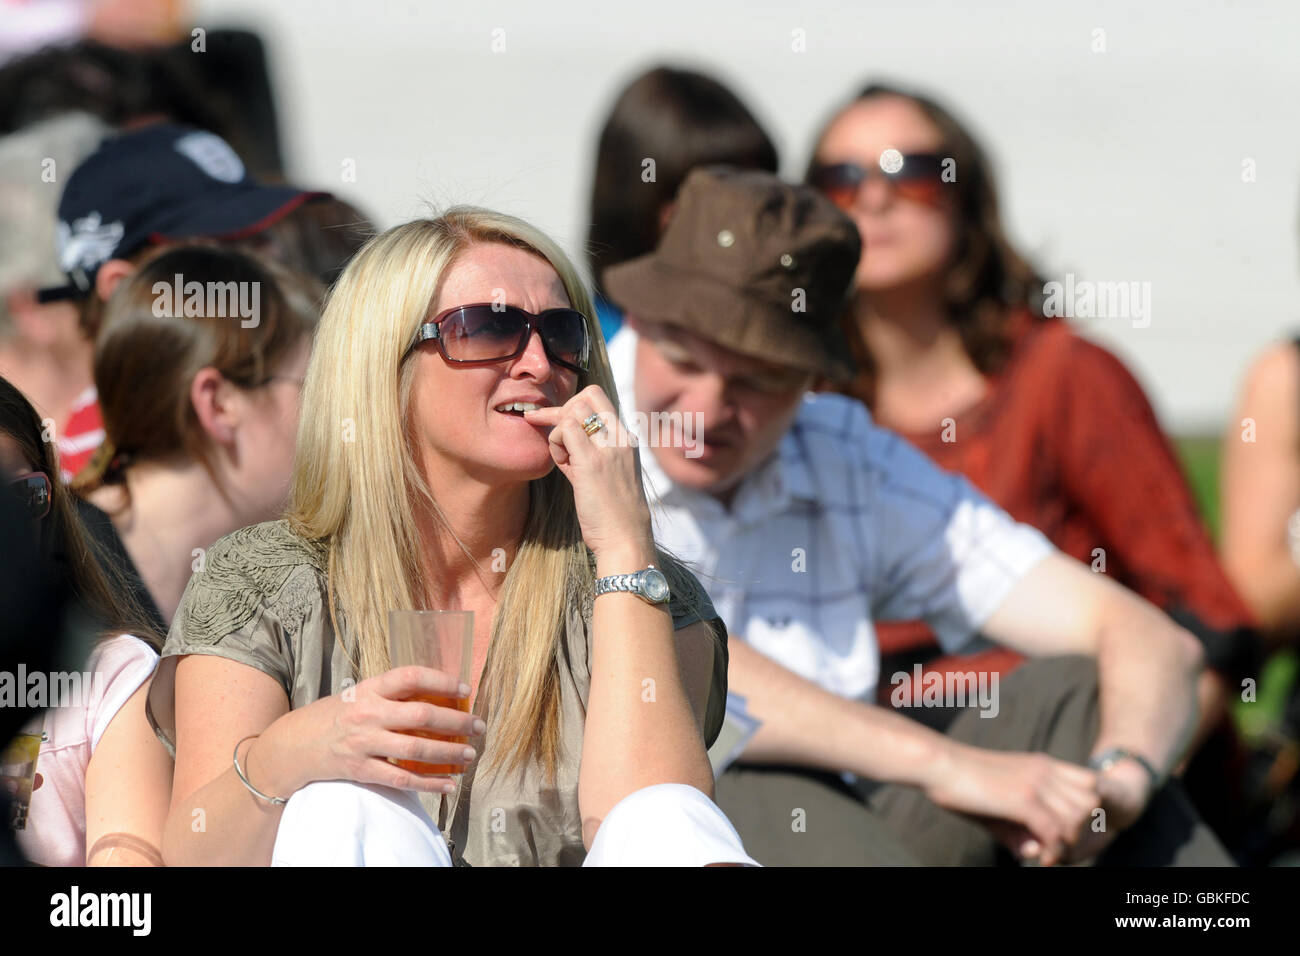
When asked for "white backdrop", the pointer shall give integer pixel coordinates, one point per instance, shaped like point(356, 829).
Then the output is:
point(1126, 163)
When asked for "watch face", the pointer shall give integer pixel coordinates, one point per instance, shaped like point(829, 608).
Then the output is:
point(655, 585)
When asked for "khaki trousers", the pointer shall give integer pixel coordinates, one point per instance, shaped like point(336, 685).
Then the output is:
point(791, 816)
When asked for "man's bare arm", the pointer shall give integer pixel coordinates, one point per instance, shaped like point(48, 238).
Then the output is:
point(1147, 665)
point(804, 725)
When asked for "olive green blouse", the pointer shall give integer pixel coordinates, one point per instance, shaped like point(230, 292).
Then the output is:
point(260, 599)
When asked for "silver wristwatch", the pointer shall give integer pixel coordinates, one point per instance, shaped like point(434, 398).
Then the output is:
point(1107, 759)
point(649, 585)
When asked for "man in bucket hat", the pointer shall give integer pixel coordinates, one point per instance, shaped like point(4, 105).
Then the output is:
point(807, 522)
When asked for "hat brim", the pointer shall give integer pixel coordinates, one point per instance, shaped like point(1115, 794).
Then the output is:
point(58, 293)
point(730, 317)
point(231, 215)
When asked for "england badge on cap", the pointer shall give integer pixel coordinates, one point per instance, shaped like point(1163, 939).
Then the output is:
point(212, 155)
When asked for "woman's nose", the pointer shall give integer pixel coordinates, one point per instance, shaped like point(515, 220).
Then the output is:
point(534, 358)
point(874, 194)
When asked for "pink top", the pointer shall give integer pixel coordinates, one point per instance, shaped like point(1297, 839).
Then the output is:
point(55, 834)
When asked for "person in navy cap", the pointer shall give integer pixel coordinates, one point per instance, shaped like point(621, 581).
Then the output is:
point(145, 187)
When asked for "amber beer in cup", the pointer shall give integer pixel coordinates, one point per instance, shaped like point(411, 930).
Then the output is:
point(443, 640)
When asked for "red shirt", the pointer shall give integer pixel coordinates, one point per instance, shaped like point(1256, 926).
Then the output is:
point(83, 434)
point(1065, 440)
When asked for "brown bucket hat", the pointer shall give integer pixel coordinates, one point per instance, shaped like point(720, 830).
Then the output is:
point(757, 265)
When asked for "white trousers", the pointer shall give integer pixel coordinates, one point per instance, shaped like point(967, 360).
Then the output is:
point(339, 823)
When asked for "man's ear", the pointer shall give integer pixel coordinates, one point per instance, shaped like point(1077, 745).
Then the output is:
point(109, 275)
point(211, 395)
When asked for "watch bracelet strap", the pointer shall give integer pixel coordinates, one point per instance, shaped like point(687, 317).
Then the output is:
point(631, 583)
point(1116, 754)
point(615, 582)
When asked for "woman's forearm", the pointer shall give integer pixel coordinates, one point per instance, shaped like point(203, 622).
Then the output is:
point(1269, 581)
point(223, 823)
point(640, 729)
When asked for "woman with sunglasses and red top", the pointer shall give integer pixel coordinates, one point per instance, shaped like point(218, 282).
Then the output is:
point(957, 358)
point(460, 449)
point(102, 780)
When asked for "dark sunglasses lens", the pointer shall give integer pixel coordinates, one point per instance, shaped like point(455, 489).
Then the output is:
point(565, 334)
point(34, 492)
point(481, 333)
point(838, 182)
point(920, 178)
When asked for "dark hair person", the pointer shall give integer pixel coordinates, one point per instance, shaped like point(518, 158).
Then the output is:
point(317, 238)
point(155, 185)
point(103, 780)
point(679, 119)
point(957, 357)
point(198, 365)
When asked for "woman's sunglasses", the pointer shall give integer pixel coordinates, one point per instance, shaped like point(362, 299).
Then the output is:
point(34, 491)
point(919, 177)
point(484, 334)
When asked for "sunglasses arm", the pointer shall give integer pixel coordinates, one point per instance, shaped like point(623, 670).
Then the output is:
point(427, 332)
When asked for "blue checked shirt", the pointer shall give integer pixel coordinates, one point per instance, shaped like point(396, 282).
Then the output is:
point(845, 524)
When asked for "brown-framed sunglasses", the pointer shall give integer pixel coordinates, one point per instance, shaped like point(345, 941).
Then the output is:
point(918, 177)
point(486, 333)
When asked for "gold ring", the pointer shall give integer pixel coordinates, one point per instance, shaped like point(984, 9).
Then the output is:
point(592, 424)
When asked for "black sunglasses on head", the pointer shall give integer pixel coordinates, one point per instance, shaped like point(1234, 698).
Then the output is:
point(487, 333)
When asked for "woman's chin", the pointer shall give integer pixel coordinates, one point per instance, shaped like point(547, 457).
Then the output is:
point(889, 272)
point(527, 467)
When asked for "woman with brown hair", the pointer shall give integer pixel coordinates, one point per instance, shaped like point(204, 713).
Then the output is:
point(102, 779)
point(198, 365)
point(956, 355)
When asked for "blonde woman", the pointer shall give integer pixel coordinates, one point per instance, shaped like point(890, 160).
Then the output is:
point(422, 468)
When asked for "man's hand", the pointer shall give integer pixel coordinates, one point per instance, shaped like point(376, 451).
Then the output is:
point(1039, 807)
point(1125, 789)
point(1042, 809)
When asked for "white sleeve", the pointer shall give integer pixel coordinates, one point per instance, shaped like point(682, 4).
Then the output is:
point(116, 669)
point(943, 552)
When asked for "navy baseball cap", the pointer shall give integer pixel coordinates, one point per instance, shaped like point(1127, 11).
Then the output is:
point(157, 184)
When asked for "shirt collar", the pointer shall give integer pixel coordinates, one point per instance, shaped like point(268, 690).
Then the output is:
point(765, 492)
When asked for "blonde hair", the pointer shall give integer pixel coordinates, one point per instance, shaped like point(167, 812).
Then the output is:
point(348, 496)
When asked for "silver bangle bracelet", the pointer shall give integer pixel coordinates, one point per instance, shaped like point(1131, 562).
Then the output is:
point(276, 801)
